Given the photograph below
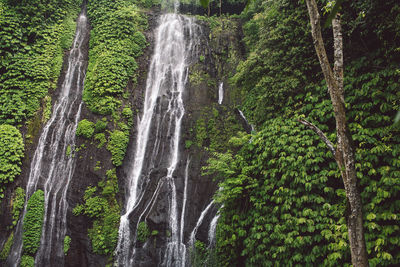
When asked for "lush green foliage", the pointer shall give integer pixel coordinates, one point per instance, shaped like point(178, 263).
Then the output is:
point(100, 125)
point(282, 193)
point(115, 42)
point(67, 244)
point(17, 204)
point(100, 204)
point(214, 128)
point(11, 153)
point(85, 128)
point(143, 232)
point(33, 221)
point(7, 247)
point(33, 37)
point(117, 145)
point(27, 261)
point(281, 61)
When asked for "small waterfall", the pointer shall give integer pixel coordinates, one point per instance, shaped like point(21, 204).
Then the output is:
point(51, 167)
point(212, 231)
point(198, 224)
point(220, 93)
point(248, 125)
point(163, 112)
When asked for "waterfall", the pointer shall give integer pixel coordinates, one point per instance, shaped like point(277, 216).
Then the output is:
point(198, 224)
point(220, 93)
point(51, 168)
point(163, 111)
point(250, 126)
point(212, 231)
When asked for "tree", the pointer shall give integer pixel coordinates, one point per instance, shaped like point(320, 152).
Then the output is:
point(344, 153)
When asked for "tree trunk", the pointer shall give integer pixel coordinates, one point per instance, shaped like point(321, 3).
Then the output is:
point(344, 155)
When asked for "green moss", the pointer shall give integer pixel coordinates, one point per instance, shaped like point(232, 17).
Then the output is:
point(7, 247)
point(67, 244)
point(33, 221)
point(11, 153)
point(85, 128)
point(117, 144)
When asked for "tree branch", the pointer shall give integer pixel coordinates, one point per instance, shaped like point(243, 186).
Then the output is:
point(320, 134)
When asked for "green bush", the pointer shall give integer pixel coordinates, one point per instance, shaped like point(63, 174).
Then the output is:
point(100, 125)
point(117, 144)
point(67, 244)
point(33, 221)
point(104, 233)
point(7, 247)
point(143, 232)
point(85, 128)
point(17, 204)
point(11, 153)
point(101, 137)
point(27, 261)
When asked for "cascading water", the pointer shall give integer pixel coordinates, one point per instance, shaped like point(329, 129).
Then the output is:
point(199, 222)
point(175, 43)
point(51, 168)
point(251, 126)
point(220, 93)
point(212, 231)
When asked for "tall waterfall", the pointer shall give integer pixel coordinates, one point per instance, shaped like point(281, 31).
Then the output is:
point(158, 139)
point(51, 168)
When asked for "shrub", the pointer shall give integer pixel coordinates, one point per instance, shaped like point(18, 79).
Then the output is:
point(143, 232)
point(85, 128)
point(17, 204)
point(101, 137)
point(11, 153)
point(100, 125)
point(7, 247)
point(104, 234)
point(27, 261)
point(33, 221)
point(118, 142)
point(67, 244)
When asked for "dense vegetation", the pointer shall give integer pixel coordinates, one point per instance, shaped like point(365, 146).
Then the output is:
point(33, 222)
point(292, 202)
point(11, 153)
point(101, 205)
point(33, 38)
